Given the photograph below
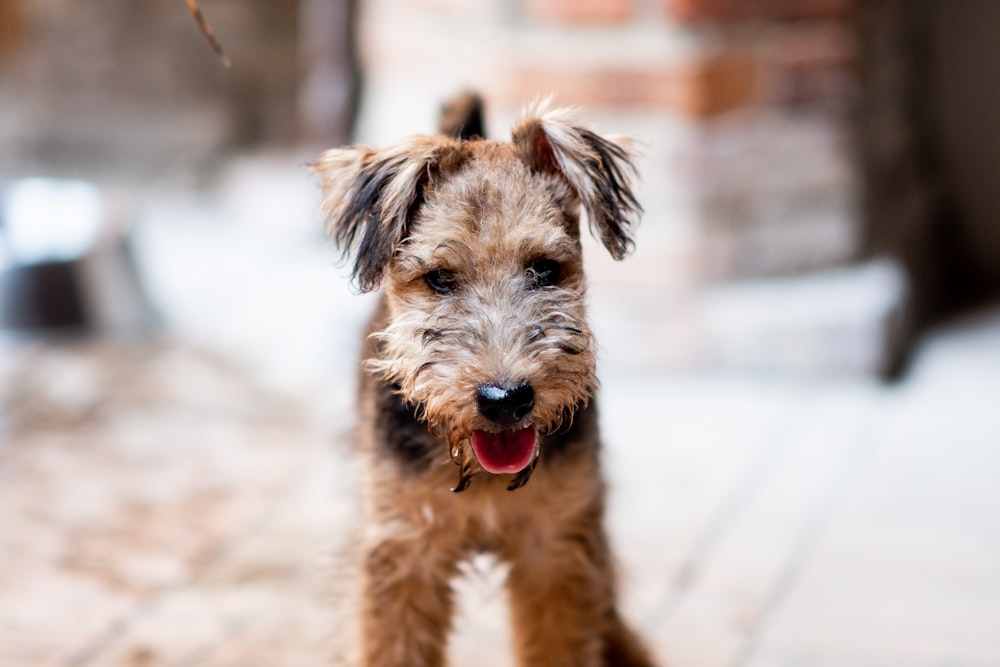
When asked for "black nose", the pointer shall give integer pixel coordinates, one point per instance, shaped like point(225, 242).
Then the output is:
point(505, 406)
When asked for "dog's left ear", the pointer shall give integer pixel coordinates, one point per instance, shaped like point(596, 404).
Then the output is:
point(599, 170)
point(371, 194)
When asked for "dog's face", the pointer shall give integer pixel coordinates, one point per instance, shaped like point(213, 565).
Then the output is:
point(476, 245)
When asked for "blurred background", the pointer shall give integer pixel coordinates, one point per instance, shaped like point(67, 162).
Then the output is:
point(800, 363)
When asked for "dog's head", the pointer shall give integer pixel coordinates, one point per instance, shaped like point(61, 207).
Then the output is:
point(476, 245)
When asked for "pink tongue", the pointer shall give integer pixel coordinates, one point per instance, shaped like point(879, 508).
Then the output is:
point(504, 452)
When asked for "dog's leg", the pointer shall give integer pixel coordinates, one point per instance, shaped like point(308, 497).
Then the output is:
point(561, 594)
point(622, 648)
point(407, 605)
point(561, 588)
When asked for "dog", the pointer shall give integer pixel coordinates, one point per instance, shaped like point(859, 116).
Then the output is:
point(477, 420)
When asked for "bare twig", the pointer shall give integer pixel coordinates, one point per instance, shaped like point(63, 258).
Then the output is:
point(208, 32)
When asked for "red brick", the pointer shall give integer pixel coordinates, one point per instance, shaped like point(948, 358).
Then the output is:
point(458, 8)
point(578, 11)
point(701, 88)
point(716, 84)
point(734, 10)
point(10, 26)
point(809, 66)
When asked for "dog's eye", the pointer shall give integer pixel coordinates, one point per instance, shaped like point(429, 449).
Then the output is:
point(442, 281)
point(543, 273)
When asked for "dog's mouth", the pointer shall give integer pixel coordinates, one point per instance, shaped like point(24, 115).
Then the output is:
point(505, 451)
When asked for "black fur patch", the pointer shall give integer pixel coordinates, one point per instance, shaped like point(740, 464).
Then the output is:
point(397, 429)
point(580, 432)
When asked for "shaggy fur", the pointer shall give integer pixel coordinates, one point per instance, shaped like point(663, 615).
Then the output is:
point(481, 336)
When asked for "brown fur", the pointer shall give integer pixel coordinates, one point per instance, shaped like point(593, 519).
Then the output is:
point(476, 246)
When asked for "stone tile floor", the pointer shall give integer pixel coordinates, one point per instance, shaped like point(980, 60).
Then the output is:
point(176, 501)
point(158, 509)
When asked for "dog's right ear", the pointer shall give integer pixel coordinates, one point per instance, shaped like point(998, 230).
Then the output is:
point(370, 196)
point(599, 169)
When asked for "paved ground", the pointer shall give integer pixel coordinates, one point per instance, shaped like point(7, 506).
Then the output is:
point(175, 501)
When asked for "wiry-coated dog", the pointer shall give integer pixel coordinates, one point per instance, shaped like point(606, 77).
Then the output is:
point(479, 367)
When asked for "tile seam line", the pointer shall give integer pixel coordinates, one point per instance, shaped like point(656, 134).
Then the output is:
point(867, 444)
point(773, 446)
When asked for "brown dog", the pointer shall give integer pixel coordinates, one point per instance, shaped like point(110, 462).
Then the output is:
point(480, 366)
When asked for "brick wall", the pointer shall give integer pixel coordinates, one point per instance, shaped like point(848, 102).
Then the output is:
point(741, 104)
point(133, 88)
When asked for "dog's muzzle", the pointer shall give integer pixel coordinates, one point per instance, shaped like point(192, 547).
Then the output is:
point(507, 444)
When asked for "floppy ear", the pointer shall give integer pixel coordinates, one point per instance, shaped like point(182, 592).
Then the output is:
point(370, 196)
point(598, 169)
